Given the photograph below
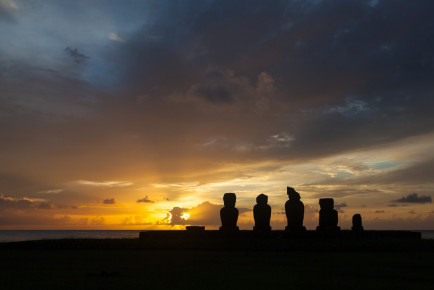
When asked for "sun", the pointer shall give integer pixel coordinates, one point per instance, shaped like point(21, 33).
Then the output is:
point(185, 216)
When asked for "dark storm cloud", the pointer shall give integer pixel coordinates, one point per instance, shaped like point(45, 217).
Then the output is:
point(344, 75)
point(414, 198)
point(354, 74)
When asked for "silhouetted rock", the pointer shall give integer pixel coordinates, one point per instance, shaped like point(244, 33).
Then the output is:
point(294, 209)
point(357, 223)
point(229, 214)
point(328, 217)
point(262, 214)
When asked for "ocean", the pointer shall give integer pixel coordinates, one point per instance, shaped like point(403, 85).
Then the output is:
point(28, 235)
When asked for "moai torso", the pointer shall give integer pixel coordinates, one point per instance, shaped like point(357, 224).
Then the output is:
point(357, 223)
point(229, 214)
point(294, 210)
point(262, 214)
point(328, 217)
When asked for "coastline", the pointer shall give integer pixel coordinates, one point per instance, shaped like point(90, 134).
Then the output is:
point(28, 235)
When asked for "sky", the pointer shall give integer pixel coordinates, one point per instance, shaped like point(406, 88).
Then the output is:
point(142, 114)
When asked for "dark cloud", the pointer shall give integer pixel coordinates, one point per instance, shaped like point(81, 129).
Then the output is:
point(417, 173)
point(414, 198)
point(76, 56)
point(46, 205)
point(342, 204)
point(109, 201)
point(298, 54)
point(237, 73)
point(346, 191)
point(176, 216)
point(339, 206)
point(15, 203)
point(145, 200)
point(19, 205)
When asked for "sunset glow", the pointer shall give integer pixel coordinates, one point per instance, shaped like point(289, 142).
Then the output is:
point(142, 114)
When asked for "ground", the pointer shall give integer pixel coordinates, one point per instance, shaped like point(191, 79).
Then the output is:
point(222, 269)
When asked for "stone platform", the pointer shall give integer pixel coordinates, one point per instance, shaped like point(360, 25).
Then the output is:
point(246, 234)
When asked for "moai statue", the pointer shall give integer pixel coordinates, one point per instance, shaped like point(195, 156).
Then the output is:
point(262, 214)
point(294, 209)
point(357, 223)
point(229, 214)
point(328, 217)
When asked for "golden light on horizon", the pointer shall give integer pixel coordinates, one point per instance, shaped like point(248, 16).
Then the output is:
point(185, 216)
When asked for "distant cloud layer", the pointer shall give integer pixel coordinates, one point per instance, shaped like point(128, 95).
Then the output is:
point(414, 198)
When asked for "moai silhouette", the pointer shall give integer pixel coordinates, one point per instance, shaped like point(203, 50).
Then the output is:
point(294, 209)
point(357, 223)
point(328, 217)
point(229, 214)
point(262, 214)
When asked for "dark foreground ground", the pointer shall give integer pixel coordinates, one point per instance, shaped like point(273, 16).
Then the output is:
point(135, 264)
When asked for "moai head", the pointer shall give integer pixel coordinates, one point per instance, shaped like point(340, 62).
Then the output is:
point(326, 203)
point(229, 199)
point(292, 194)
point(357, 220)
point(262, 199)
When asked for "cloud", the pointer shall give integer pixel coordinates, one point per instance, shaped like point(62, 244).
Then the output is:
point(46, 205)
point(136, 220)
point(145, 200)
point(116, 37)
point(205, 213)
point(52, 191)
point(76, 56)
point(109, 201)
point(339, 206)
point(15, 203)
point(104, 183)
point(414, 198)
point(8, 11)
point(176, 216)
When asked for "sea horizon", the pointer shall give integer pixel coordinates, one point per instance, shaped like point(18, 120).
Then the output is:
point(28, 235)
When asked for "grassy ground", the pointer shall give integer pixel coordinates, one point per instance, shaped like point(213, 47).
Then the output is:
point(184, 269)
